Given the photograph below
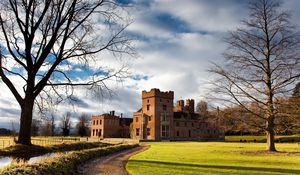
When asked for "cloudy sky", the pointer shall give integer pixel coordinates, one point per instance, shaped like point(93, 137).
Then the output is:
point(176, 41)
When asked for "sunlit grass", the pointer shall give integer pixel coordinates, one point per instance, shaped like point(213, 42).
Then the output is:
point(192, 158)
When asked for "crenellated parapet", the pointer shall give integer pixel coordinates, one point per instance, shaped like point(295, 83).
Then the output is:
point(157, 93)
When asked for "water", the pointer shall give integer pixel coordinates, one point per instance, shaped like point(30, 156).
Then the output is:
point(5, 161)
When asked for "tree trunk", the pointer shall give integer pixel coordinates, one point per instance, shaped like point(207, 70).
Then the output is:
point(270, 134)
point(25, 122)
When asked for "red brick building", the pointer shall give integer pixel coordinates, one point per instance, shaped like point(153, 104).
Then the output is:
point(110, 126)
point(158, 119)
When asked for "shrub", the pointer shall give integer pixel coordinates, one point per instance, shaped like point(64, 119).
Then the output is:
point(64, 164)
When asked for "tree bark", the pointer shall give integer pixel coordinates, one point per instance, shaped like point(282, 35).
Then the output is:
point(270, 135)
point(25, 122)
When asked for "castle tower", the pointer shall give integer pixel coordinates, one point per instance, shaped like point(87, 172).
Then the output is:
point(190, 105)
point(155, 120)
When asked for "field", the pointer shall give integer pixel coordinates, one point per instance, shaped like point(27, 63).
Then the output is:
point(42, 141)
point(192, 158)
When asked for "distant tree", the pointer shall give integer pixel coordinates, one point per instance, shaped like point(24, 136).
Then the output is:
point(83, 125)
point(202, 109)
point(296, 91)
point(48, 127)
point(45, 41)
point(35, 127)
point(52, 124)
point(66, 124)
point(262, 61)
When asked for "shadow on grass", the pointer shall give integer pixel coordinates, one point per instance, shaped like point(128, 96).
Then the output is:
point(224, 167)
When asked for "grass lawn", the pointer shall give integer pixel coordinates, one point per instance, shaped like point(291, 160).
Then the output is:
point(192, 158)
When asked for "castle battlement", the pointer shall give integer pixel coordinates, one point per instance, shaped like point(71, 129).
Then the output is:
point(157, 93)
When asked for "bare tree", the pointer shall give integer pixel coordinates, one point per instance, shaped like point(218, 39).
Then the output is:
point(52, 124)
point(66, 124)
point(262, 61)
point(83, 125)
point(48, 126)
point(202, 109)
point(44, 40)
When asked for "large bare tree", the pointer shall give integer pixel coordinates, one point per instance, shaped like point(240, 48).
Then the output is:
point(43, 42)
point(262, 63)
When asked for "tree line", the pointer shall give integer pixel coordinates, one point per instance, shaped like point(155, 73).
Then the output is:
point(61, 126)
point(236, 120)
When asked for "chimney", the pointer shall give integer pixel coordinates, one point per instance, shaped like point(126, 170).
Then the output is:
point(121, 115)
point(112, 113)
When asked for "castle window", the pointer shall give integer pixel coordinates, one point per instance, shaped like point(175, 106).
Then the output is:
point(136, 119)
point(164, 107)
point(93, 123)
point(165, 130)
point(137, 131)
point(97, 122)
point(148, 131)
point(148, 107)
point(164, 117)
point(96, 132)
point(100, 122)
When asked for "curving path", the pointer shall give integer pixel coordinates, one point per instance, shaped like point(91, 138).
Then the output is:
point(113, 164)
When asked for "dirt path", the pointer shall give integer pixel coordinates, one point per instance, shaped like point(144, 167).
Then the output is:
point(110, 165)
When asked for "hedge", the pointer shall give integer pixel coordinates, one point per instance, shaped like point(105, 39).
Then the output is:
point(65, 164)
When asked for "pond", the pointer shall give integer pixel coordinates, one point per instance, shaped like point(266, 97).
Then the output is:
point(5, 161)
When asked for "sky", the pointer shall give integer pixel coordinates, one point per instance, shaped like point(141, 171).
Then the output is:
point(177, 41)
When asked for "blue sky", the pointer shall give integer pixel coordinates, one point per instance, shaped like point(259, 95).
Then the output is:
point(177, 41)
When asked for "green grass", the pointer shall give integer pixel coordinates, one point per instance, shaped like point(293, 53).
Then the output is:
point(193, 158)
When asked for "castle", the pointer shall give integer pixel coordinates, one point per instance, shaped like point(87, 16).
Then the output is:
point(157, 120)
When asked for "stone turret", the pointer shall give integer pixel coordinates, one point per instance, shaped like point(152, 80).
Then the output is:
point(157, 93)
point(190, 105)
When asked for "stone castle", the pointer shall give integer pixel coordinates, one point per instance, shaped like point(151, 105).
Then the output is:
point(158, 119)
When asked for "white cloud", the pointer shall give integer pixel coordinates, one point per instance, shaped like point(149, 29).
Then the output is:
point(171, 59)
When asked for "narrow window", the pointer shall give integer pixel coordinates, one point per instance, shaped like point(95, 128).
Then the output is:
point(93, 132)
point(100, 122)
point(93, 122)
point(164, 107)
point(148, 107)
point(100, 132)
point(149, 119)
point(148, 131)
point(136, 119)
point(137, 131)
point(97, 122)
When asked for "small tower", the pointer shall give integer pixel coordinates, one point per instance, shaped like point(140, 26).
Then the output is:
point(155, 119)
